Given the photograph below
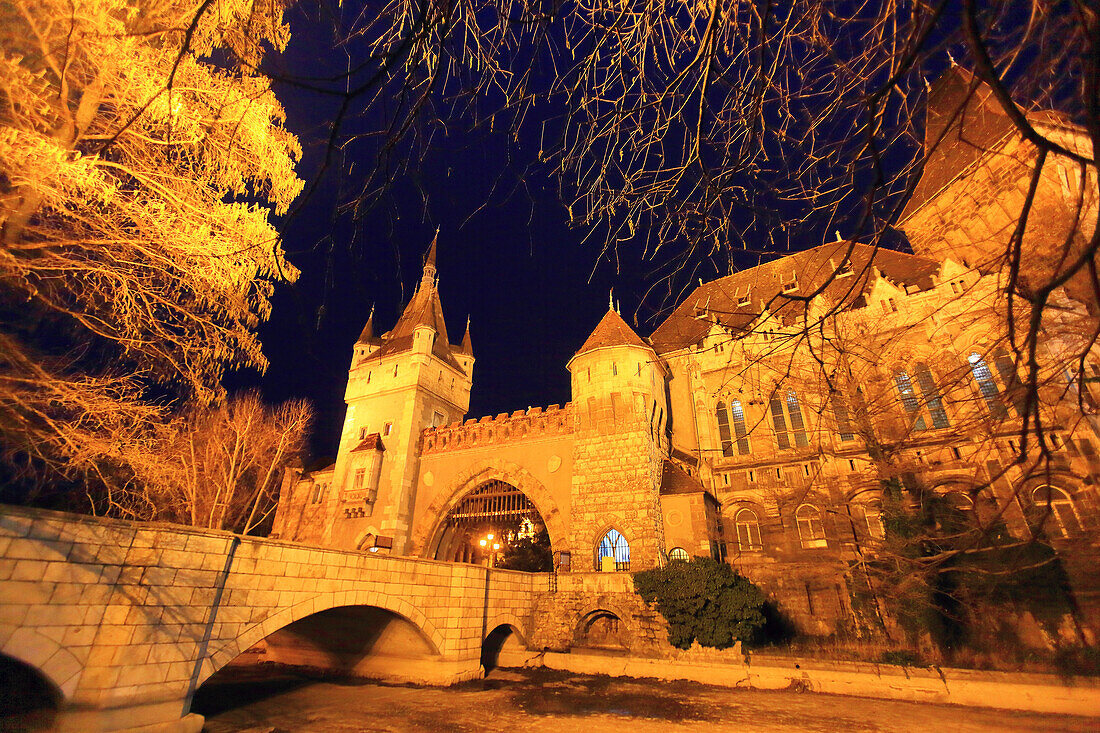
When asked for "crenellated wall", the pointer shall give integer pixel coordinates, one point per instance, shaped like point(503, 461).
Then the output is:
point(504, 428)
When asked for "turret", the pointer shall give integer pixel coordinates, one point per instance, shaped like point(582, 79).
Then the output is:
point(620, 445)
point(408, 379)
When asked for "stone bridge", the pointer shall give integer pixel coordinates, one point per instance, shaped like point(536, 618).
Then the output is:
point(125, 620)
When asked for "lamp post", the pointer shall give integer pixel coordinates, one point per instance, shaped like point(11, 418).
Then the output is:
point(491, 545)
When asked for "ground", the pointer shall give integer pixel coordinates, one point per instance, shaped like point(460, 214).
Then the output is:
point(542, 700)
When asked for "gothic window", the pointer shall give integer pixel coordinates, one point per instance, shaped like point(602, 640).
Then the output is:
point(739, 429)
point(614, 547)
point(909, 399)
point(360, 478)
point(872, 512)
point(986, 385)
point(1006, 369)
point(931, 394)
point(724, 429)
point(747, 527)
point(797, 425)
point(811, 531)
point(1055, 503)
point(678, 553)
point(843, 421)
point(780, 423)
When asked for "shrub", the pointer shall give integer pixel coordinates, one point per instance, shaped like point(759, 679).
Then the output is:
point(703, 600)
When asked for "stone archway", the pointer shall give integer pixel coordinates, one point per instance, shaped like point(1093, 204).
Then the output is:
point(428, 530)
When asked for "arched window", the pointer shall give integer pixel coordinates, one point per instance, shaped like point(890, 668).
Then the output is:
point(843, 421)
point(614, 547)
point(747, 526)
point(678, 553)
point(986, 385)
point(779, 420)
point(1006, 369)
point(724, 429)
point(956, 513)
point(797, 424)
point(909, 399)
point(739, 430)
point(1052, 501)
point(931, 394)
point(810, 529)
point(872, 512)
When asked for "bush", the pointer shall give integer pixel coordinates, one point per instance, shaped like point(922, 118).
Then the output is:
point(901, 657)
point(703, 600)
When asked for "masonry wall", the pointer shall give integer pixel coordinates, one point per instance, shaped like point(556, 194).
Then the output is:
point(132, 617)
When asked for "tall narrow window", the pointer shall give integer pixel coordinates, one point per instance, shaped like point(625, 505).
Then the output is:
point(360, 478)
point(724, 429)
point(1055, 503)
point(797, 424)
point(739, 429)
point(843, 422)
point(931, 394)
point(810, 530)
point(614, 547)
point(780, 424)
point(1006, 369)
point(748, 530)
point(986, 385)
point(872, 512)
point(908, 399)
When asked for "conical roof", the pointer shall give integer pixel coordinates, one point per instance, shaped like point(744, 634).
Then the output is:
point(367, 335)
point(612, 330)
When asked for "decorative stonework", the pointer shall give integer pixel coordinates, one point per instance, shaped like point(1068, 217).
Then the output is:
point(492, 469)
point(504, 428)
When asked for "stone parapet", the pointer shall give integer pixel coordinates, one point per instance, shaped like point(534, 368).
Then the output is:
point(504, 428)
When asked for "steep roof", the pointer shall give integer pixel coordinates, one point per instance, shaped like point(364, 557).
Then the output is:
point(612, 330)
point(737, 300)
point(371, 442)
point(675, 480)
point(964, 123)
point(425, 309)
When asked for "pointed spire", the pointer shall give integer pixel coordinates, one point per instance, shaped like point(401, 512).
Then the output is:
point(429, 262)
point(368, 330)
point(467, 345)
point(611, 299)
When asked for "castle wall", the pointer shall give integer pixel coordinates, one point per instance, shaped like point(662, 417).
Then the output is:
point(531, 450)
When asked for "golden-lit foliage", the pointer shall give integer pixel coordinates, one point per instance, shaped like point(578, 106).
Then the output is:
point(141, 156)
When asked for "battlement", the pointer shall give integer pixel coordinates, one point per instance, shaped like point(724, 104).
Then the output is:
point(520, 425)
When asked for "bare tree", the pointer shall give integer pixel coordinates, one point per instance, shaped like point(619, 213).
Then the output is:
point(220, 466)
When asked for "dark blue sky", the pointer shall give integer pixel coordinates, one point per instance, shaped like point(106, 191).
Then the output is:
point(506, 259)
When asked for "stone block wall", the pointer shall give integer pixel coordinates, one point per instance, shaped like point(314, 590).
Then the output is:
point(130, 618)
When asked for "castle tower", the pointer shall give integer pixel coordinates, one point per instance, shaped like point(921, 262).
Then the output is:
point(400, 383)
point(620, 434)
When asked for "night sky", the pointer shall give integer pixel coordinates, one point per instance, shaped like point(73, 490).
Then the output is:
point(506, 259)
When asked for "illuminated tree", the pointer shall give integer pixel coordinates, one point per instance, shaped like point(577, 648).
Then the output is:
point(141, 156)
point(220, 467)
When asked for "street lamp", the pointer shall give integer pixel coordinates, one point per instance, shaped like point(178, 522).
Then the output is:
point(487, 542)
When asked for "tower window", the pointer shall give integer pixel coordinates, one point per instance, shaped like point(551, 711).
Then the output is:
point(614, 369)
point(615, 548)
point(395, 370)
point(387, 429)
point(739, 429)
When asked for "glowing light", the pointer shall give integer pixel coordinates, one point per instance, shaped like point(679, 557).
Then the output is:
point(483, 543)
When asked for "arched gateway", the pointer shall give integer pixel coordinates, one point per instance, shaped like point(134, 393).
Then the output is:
point(497, 498)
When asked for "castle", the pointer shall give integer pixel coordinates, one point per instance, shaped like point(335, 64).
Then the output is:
point(758, 423)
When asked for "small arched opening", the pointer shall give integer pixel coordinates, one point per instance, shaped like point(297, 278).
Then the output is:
point(601, 629)
point(28, 700)
point(503, 647)
point(345, 641)
point(497, 525)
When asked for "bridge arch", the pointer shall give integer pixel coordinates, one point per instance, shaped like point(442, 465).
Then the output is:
point(436, 514)
point(400, 607)
point(57, 665)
